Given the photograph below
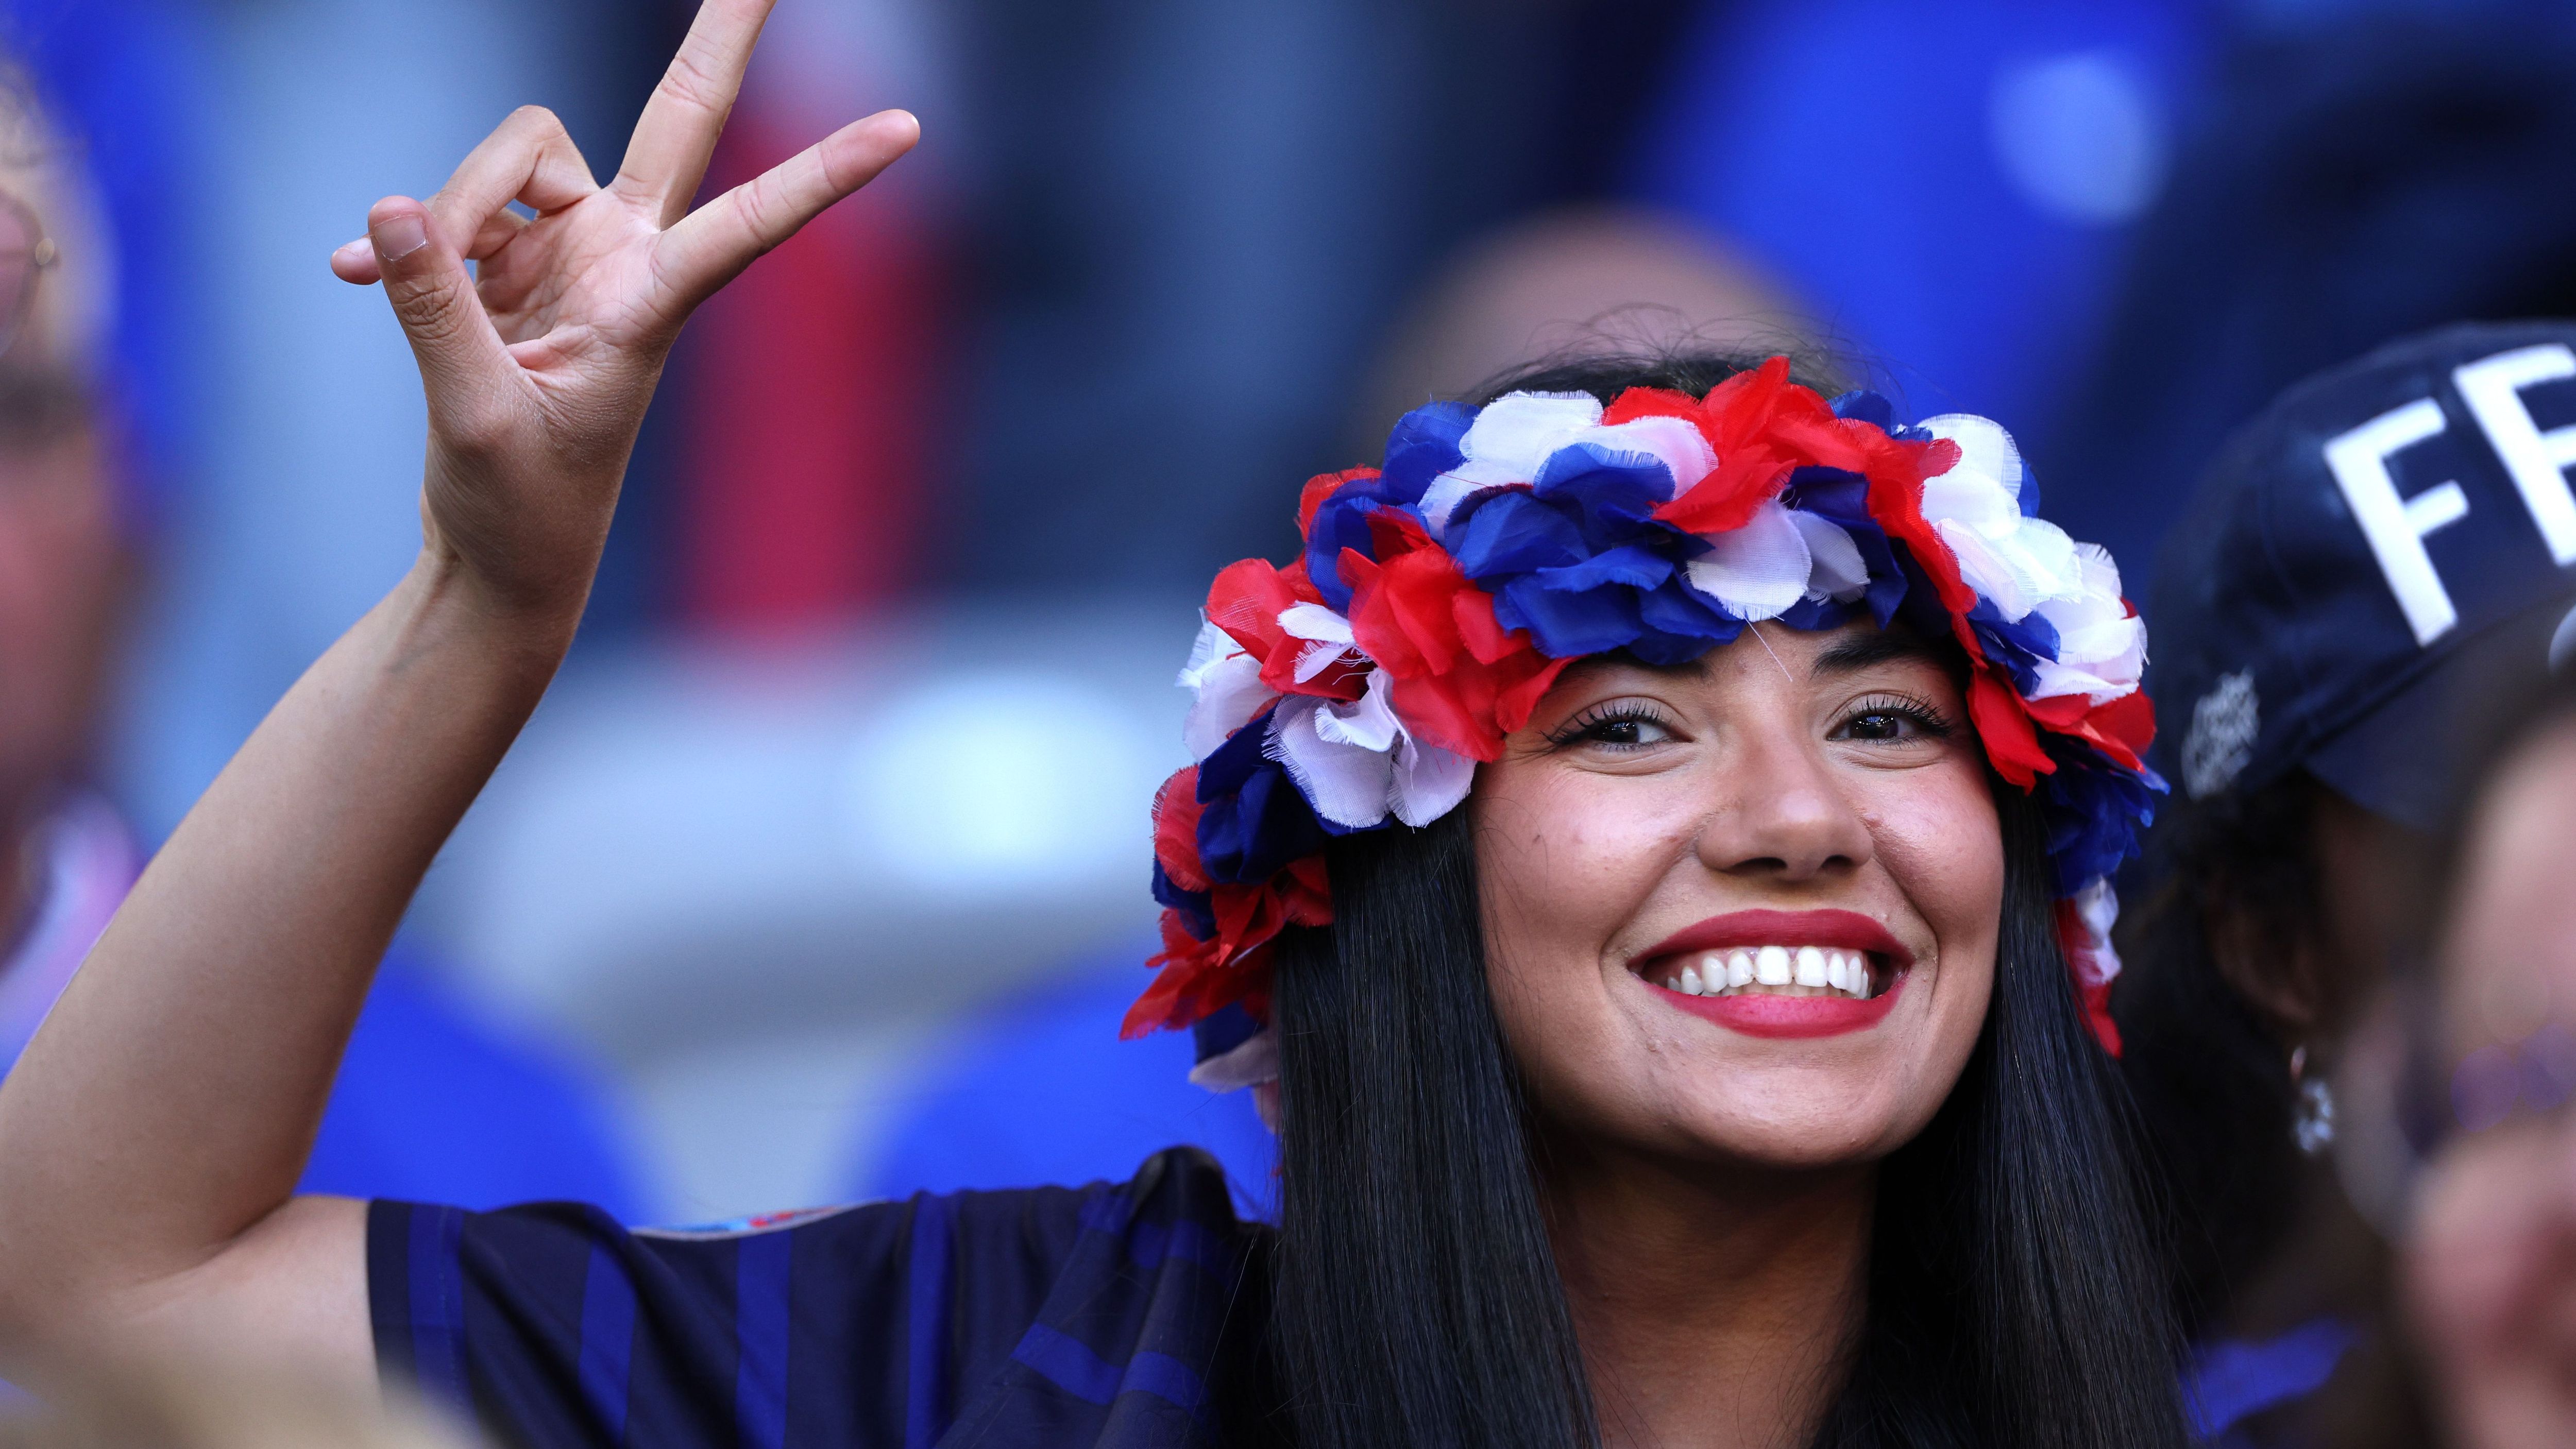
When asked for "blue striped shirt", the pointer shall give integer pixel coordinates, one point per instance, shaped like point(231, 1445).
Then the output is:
point(1122, 1315)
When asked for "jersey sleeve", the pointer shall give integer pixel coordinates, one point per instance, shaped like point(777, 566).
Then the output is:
point(1040, 1316)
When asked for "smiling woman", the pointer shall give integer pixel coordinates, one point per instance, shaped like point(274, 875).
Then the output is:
point(1715, 1074)
point(1647, 856)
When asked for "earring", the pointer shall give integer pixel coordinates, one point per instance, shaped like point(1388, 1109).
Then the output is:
point(2313, 1122)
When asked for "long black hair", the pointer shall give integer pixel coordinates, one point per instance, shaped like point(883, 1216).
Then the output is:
point(2014, 1298)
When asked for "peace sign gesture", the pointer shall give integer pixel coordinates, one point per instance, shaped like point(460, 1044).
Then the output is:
point(539, 366)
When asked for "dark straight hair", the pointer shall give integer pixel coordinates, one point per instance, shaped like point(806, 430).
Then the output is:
point(2015, 1297)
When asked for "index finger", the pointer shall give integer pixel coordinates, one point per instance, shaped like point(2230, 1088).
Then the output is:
point(676, 136)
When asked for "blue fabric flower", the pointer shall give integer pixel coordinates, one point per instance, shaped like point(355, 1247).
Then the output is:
point(1252, 818)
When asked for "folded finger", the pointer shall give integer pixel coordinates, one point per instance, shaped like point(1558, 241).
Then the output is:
point(711, 245)
point(497, 232)
point(676, 136)
point(528, 158)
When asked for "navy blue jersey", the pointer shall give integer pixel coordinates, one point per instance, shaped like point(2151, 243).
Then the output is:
point(1122, 1315)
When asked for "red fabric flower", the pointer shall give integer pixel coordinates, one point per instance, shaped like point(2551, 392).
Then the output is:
point(2092, 988)
point(1321, 487)
point(1199, 977)
point(1246, 601)
point(1176, 830)
point(1458, 678)
point(1763, 427)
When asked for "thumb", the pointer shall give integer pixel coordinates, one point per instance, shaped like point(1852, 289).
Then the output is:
point(433, 297)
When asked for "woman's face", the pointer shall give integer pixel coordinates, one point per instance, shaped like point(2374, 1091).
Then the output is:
point(2493, 1261)
point(1743, 912)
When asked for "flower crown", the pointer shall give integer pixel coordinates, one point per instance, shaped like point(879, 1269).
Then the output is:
point(1440, 595)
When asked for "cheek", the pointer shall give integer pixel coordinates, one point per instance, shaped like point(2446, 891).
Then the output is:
point(1939, 839)
point(1563, 862)
point(1937, 833)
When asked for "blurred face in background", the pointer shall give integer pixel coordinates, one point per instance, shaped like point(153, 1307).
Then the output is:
point(2493, 1275)
point(62, 557)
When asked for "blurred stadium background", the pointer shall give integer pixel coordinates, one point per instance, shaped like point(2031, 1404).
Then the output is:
point(853, 757)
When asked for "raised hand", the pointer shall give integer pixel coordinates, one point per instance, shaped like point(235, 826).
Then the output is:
point(538, 366)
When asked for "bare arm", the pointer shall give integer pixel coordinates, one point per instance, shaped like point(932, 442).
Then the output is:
point(151, 1137)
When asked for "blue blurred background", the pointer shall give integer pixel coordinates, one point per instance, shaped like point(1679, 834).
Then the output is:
point(821, 875)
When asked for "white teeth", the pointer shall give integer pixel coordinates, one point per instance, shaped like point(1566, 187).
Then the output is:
point(1804, 970)
point(1810, 966)
point(1771, 965)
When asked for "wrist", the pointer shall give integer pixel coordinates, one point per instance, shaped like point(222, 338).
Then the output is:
point(450, 601)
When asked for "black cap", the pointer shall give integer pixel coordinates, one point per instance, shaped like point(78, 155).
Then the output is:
point(2386, 544)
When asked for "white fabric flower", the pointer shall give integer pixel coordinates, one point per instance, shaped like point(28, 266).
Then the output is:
point(1758, 571)
point(1681, 448)
point(2101, 647)
point(1835, 567)
point(1327, 636)
point(2016, 563)
point(1253, 1061)
point(1505, 445)
point(2097, 906)
point(1356, 763)
point(1227, 683)
point(1535, 427)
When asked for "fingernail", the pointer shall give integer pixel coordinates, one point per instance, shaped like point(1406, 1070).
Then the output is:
point(399, 236)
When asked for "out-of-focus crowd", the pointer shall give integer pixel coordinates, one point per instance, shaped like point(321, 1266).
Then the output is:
point(909, 550)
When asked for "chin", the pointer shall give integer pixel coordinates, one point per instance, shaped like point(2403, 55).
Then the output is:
point(1807, 1121)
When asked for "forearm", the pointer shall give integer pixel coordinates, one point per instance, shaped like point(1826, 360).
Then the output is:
point(168, 1104)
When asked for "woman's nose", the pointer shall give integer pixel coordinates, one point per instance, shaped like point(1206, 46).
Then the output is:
point(1779, 815)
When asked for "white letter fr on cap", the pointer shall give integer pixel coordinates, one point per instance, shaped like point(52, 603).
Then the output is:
point(2396, 526)
point(2538, 461)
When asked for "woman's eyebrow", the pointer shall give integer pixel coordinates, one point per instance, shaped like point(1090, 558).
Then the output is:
point(1693, 668)
point(1860, 651)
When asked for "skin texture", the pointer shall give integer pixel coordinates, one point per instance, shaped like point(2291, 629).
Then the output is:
point(1710, 1192)
point(2492, 1271)
point(151, 1136)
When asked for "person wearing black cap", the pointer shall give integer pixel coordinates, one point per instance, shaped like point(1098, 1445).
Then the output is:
point(2385, 545)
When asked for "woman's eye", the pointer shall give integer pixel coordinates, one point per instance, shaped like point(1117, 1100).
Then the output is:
point(1627, 732)
point(1892, 724)
point(1879, 724)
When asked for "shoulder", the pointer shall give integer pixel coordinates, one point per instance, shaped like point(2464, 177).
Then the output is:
point(1030, 1312)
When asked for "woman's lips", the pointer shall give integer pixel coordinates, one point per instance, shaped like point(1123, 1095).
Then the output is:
point(1788, 1016)
point(1849, 930)
point(1775, 1002)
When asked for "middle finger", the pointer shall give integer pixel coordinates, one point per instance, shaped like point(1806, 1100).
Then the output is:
point(527, 158)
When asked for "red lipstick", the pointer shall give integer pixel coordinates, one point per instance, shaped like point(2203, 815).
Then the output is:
point(1850, 930)
point(1788, 1016)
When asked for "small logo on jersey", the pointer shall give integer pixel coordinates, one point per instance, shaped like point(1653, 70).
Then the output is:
point(741, 1227)
point(2221, 743)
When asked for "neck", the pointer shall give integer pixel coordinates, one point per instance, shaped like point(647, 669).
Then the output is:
point(1714, 1307)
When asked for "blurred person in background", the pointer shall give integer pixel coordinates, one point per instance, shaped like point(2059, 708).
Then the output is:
point(2384, 535)
point(220, 1403)
point(2345, 173)
point(429, 1099)
point(2491, 1276)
